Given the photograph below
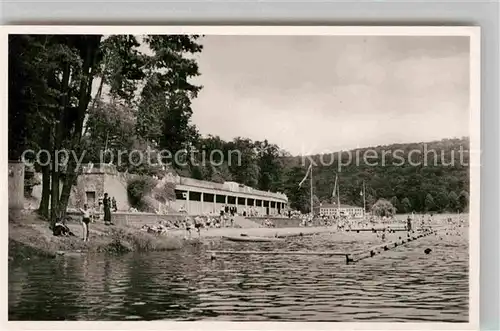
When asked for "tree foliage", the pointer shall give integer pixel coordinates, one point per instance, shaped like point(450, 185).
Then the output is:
point(395, 203)
point(440, 178)
point(429, 203)
point(453, 204)
point(406, 205)
point(383, 208)
point(463, 201)
point(50, 93)
point(138, 189)
point(57, 89)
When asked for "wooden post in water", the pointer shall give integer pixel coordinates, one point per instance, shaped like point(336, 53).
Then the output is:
point(325, 253)
point(312, 200)
point(349, 257)
point(371, 252)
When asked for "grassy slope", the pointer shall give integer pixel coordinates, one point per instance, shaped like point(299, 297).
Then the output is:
point(30, 236)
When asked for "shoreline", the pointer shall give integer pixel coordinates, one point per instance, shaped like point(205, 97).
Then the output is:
point(30, 237)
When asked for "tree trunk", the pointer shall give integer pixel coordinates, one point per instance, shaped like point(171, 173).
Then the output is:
point(58, 140)
point(43, 210)
point(54, 195)
point(88, 71)
point(69, 180)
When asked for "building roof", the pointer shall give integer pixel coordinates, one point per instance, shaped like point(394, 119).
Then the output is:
point(330, 205)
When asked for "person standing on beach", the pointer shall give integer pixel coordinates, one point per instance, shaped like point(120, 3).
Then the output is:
point(188, 225)
point(85, 222)
point(113, 204)
point(197, 225)
point(107, 209)
point(94, 213)
point(408, 224)
point(100, 208)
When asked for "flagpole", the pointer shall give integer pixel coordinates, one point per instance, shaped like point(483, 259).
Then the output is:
point(364, 199)
point(338, 195)
point(312, 210)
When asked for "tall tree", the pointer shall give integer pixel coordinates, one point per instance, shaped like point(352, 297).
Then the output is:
point(166, 98)
point(110, 129)
point(463, 201)
point(453, 204)
point(441, 200)
point(395, 203)
point(63, 69)
point(429, 203)
point(32, 102)
point(270, 166)
point(406, 205)
point(298, 197)
point(383, 208)
point(79, 59)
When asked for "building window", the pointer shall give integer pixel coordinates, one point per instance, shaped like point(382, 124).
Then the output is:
point(241, 201)
point(220, 198)
point(180, 195)
point(231, 200)
point(194, 196)
point(208, 197)
point(258, 203)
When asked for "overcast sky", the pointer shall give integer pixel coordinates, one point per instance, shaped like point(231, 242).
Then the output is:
point(324, 94)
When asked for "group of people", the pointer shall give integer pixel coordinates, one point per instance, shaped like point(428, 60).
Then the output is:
point(347, 222)
point(249, 211)
point(105, 206)
point(420, 221)
point(269, 224)
point(190, 223)
point(306, 220)
point(228, 210)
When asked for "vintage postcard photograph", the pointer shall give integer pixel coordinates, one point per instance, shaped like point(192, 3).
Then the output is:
point(241, 174)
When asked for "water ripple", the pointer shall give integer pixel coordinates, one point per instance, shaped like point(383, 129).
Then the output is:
point(397, 286)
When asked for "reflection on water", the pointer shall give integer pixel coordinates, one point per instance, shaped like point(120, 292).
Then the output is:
point(400, 285)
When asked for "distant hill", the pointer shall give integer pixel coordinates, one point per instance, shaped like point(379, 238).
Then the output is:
point(439, 184)
point(393, 172)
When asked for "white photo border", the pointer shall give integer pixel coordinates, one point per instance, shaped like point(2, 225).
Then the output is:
point(473, 32)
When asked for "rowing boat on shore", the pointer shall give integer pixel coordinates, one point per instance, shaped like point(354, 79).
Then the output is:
point(252, 239)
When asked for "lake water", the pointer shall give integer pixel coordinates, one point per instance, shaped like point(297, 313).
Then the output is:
point(401, 285)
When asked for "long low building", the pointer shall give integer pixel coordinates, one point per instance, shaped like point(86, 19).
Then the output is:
point(196, 197)
point(203, 197)
point(333, 209)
